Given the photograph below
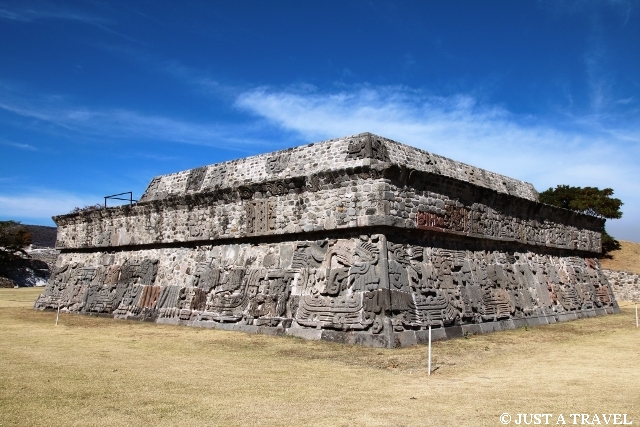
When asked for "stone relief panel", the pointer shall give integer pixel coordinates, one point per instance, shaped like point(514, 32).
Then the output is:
point(196, 178)
point(482, 221)
point(100, 288)
point(363, 283)
point(260, 216)
point(367, 146)
point(277, 163)
point(333, 280)
point(420, 294)
point(216, 178)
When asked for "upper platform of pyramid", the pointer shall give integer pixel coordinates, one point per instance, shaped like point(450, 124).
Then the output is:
point(364, 149)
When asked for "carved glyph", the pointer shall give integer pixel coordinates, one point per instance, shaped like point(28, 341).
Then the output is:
point(367, 146)
point(277, 163)
point(196, 178)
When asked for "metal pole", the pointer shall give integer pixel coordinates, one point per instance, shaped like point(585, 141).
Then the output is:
point(636, 315)
point(429, 350)
point(58, 314)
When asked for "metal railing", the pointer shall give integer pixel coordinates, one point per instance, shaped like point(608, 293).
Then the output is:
point(114, 197)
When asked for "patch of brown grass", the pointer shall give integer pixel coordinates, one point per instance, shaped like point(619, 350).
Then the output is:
point(627, 258)
point(91, 371)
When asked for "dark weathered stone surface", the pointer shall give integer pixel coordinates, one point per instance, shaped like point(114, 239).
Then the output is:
point(357, 240)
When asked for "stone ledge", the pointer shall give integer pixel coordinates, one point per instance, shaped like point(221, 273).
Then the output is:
point(396, 339)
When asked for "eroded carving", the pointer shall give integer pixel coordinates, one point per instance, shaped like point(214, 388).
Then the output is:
point(278, 163)
point(260, 216)
point(367, 147)
point(196, 178)
point(430, 221)
point(216, 178)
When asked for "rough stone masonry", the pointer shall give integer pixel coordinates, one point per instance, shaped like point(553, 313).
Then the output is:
point(357, 240)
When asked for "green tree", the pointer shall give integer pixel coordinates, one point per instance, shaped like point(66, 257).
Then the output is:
point(13, 239)
point(590, 201)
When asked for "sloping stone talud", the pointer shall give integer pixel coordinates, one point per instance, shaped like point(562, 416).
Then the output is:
point(357, 239)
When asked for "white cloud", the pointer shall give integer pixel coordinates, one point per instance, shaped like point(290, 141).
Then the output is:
point(578, 152)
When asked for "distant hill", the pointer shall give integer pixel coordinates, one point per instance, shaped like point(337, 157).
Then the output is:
point(43, 235)
point(627, 258)
point(34, 269)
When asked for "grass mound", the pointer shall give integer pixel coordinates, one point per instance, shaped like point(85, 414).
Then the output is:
point(627, 258)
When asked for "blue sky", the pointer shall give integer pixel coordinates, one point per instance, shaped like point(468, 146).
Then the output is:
point(97, 98)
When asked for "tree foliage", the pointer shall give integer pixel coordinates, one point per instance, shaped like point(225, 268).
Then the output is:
point(587, 200)
point(13, 239)
point(590, 201)
point(609, 243)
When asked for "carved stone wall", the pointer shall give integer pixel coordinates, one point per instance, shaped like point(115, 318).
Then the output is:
point(358, 239)
point(365, 289)
point(361, 197)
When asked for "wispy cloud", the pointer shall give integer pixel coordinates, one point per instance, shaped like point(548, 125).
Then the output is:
point(600, 85)
point(13, 16)
point(10, 179)
point(51, 12)
point(41, 205)
point(606, 21)
point(127, 124)
point(202, 82)
point(595, 60)
point(574, 151)
point(19, 145)
point(157, 157)
point(190, 76)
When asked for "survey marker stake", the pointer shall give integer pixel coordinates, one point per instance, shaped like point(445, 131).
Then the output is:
point(430, 347)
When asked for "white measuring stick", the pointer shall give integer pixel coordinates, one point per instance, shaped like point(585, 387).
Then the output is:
point(429, 349)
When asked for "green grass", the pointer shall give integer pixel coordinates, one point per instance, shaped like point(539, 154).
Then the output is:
point(90, 371)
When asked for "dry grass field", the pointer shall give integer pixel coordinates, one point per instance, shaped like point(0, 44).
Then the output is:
point(90, 371)
point(626, 258)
